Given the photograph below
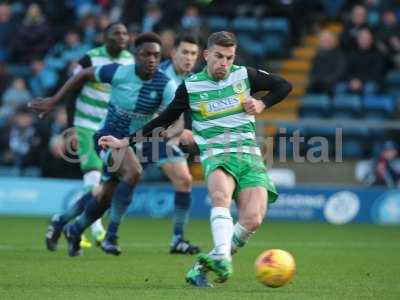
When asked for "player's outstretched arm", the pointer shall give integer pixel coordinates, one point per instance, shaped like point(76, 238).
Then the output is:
point(44, 105)
point(179, 104)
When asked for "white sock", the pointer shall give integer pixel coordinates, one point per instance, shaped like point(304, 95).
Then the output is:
point(240, 237)
point(97, 228)
point(222, 230)
point(90, 180)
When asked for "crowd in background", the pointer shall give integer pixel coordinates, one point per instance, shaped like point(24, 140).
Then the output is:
point(41, 41)
point(366, 50)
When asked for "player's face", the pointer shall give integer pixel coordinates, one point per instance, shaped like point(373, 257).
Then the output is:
point(185, 57)
point(148, 58)
point(219, 60)
point(118, 37)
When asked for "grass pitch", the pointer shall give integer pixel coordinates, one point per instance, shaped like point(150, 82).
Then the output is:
point(333, 262)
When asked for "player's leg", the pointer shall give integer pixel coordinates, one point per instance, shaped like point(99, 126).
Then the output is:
point(129, 171)
point(91, 166)
point(252, 206)
point(179, 175)
point(221, 186)
point(254, 191)
point(98, 201)
point(123, 164)
point(92, 179)
point(58, 221)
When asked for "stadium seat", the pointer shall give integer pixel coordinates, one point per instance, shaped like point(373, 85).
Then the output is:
point(392, 80)
point(376, 137)
point(346, 106)
point(217, 23)
point(378, 107)
point(274, 45)
point(354, 140)
point(257, 49)
point(279, 25)
point(315, 106)
point(283, 143)
point(314, 134)
point(245, 24)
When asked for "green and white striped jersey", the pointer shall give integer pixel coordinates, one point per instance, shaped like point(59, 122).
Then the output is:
point(92, 102)
point(220, 124)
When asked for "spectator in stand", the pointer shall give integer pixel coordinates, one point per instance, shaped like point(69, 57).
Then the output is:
point(34, 37)
point(14, 97)
point(357, 22)
point(152, 19)
point(88, 27)
point(388, 38)
point(328, 65)
point(365, 67)
point(8, 28)
point(23, 141)
point(42, 80)
point(191, 19)
point(373, 8)
point(59, 149)
point(167, 40)
point(385, 168)
point(71, 49)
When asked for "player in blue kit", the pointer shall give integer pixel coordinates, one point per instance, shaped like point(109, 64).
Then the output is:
point(138, 92)
point(184, 56)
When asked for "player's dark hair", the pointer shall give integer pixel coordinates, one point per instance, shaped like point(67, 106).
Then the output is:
point(186, 37)
point(147, 37)
point(106, 31)
point(221, 38)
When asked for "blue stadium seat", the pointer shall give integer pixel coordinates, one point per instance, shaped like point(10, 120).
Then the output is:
point(378, 107)
point(283, 141)
point(251, 46)
point(256, 49)
point(354, 142)
point(217, 23)
point(276, 24)
point(394, 92)
point(376, 137)
point(314, 136)
point(346, 106)
point(315, 106)
point(392, 84)
point(245, 24)
point(274, 45)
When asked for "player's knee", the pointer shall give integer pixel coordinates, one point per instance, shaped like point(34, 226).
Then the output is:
point(132, 176)
point(220, 198)
point(184, 182)
point(252, 221)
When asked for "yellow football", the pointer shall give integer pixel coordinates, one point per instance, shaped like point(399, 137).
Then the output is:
point(275, 267)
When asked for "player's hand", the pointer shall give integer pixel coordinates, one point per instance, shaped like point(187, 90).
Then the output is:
point(42, 106)
point(108, 141)
point(186, 137)
point(253, 106)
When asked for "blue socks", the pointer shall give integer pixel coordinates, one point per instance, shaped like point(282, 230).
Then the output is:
point(119, 205)
point(74, 210)
point(93, 211)
point(183, 201)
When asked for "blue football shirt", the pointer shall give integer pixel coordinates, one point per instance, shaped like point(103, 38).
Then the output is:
point(133, 101)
